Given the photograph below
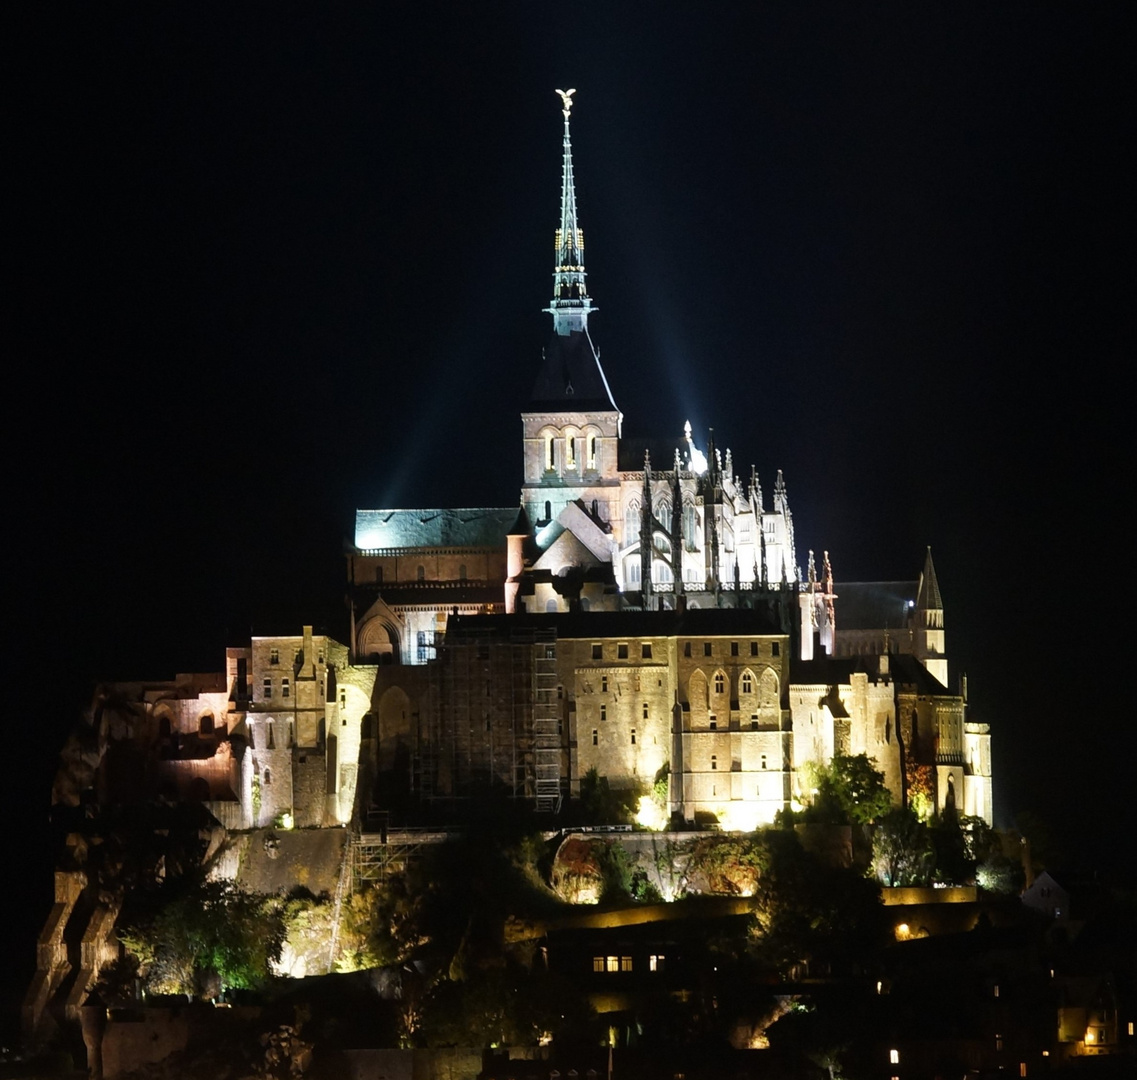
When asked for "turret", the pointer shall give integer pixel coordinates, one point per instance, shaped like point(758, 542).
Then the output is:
point(928, 631)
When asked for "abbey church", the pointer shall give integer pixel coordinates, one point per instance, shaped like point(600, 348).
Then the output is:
point(641, 612)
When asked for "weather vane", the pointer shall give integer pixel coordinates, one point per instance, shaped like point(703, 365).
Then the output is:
point(566, 97)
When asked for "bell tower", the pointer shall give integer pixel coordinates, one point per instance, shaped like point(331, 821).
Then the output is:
point(571, 426)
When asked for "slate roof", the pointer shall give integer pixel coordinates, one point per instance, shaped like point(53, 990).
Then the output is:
point(830, 670)
point(475, 527)
point(873, 605)
point(694, 622)
point(571, 378)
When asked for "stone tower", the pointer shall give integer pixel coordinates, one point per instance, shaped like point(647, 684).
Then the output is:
point(928, 628)
point(571, 427)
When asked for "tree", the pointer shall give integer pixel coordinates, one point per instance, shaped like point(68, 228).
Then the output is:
point(902, 852)
point(206, 938)
point(849, 791)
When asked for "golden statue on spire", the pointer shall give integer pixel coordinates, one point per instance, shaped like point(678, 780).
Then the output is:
point(566, 98)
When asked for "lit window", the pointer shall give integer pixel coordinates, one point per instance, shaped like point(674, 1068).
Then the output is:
point(612, 963)
point(998, 1042)
point(625, 963)
point(285, 689)
point(598, 963)
point(1022, 1068)
point(656, 962)
point(894, 1057)
point(268, 688)
point(645, 650)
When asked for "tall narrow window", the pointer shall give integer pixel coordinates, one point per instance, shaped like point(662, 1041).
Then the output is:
point(274, 656)
point(753, 648)
point(285, 688)
point(267, 688)
point(420, 573)
point(645, 710)
point(603, 684)
point(645, 650)
point(633, 736)
point(603, 712)
point(686, 648)
point(570, 452)
point(550, 454)
point(747, 683)
point(595, 736)
point(592, 451)
point(720, 683)
point(714, 761)
point(462, 572)
point(548, 510)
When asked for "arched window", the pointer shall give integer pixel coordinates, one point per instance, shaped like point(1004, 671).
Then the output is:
point(661, 572)
point(747, 683)
point(632, 570)
point(550, 453)
point(720, 682)
point(663, 513)
point(550, 605)
point(570, 452)
point(689, 526)
point(548, 510)
point(592, 451)
point(631, 521)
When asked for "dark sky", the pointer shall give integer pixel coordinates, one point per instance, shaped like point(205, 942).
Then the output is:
point(275, 263)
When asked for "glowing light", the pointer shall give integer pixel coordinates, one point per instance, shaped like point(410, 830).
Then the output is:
point(650, 814)
point(740, 817)
point(894, 1057)
point(286, 820)
point(902, 931)
point(698, 460)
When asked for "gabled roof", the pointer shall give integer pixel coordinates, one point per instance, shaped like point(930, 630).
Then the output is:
point(476, 527)
point(928, 596)
point(832, 670)
point(571, 378)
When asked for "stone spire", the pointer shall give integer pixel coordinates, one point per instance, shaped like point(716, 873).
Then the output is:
point(571, 304)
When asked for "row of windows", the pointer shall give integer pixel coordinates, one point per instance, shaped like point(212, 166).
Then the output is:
point(608, 964)
point(573, 445)
point(420, 575)
point(621, 650)
point(274, 656)
point(596, 731)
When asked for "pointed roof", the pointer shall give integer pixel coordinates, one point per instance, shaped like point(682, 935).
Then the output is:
point(570, 305)
point(928, 595)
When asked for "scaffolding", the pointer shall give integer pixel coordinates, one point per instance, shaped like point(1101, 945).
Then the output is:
point(376, 855)
point(546, 722)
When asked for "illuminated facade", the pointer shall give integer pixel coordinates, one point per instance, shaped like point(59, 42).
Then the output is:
point(642, 607)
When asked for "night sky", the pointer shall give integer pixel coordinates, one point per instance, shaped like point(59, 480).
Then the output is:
point(274, 263)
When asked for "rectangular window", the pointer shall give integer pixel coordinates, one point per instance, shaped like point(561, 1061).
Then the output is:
point(645, 650)
point(656, 962)
point(753, 721)
point(598, 963)
point(274, 656)
point(622, 651)
point(753, 648)
point(603, 712)
point(597, 651)
point(285, 689)
point(775, 648)
point(612, 963)
point(595, 737)
point(686, 648)
point(625, 963)
point(714, 723)
point(734, 648)
point(714, 762)
point(603, 684)
point(706, 648)
point(268, 688)
point(633, 736)
point(645, 710)
point(763, 761)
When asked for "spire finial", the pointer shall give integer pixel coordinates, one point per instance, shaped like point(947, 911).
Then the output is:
point(571, 304)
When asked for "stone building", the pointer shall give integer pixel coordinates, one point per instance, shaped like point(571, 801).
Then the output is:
point(532, 621)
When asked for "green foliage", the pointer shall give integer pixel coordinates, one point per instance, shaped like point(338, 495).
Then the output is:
point(847, 791)
point(732, 863)
point(603, 806)
point(998, 874)
point(980, 841)
point(206, 937)
point(660, 789)
point(808, 913)
point(902, 850)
